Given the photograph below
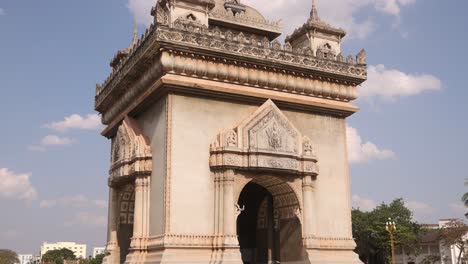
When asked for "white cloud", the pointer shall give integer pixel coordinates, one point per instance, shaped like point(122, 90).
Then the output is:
point(422, 211)
point(77, 201)
point(87, 219)
point(342, 13)
point(16, 186)
point(392, 7)
point(362, 203)
point(359, 152)
point(141, 11)
point(100, 203)
point(52, 141)
point(75, 121)
point(391, 83)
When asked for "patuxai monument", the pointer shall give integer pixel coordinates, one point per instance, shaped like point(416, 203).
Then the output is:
point(229, 146)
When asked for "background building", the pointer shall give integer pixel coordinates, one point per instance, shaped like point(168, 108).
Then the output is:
point(98, 250)
point(25, 259)
point(78, 249)
point(432, 249)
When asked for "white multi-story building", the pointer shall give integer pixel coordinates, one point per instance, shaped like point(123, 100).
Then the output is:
point(78, 249)
point(98, 250)
point(25, 258)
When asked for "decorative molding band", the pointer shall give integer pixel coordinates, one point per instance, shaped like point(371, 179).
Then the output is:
point(313, 242)
point(255, 75)
point(210, 241)
point(193, 66)
point(185, 240)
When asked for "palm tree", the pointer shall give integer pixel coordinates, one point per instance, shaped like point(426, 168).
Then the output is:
point(465, 196)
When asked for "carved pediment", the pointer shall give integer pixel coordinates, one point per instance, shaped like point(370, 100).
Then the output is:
point(266, 140)
point(269, 130)
point(131, 152)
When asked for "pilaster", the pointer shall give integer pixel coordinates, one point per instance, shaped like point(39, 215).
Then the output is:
point(112, 247)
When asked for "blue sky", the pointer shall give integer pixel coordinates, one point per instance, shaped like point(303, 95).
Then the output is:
point(407, 141)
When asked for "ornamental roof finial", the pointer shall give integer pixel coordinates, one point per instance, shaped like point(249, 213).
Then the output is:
point(313, 12)
point(135, 35)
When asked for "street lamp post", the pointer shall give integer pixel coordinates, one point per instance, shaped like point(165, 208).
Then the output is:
point(390, 226)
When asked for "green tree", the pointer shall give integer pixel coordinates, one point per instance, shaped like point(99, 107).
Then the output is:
point(58, 255)
point(372, 239)
point(8, 257)
point(98, 259)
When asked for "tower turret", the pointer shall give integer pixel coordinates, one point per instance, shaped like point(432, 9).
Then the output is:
point(321, 38)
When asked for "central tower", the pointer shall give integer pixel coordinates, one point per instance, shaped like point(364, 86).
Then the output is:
point(227, 145)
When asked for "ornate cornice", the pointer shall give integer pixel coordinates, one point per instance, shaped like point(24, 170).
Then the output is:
point(220, 56)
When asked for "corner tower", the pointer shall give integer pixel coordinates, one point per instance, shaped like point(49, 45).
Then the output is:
point(227, 145)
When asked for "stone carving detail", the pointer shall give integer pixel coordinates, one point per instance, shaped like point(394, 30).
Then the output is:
point(265, 43)
point(231, 139)
point(241, 38)
point(239, 209)
point(340, 58)
point(161, 14)
point(253, 40)
point(307, 147)
point(276, 45)
point(229, 35)
point(274, 138)
point(350, 60)
point(361, 58)
point(265, 141)
point(131, 153)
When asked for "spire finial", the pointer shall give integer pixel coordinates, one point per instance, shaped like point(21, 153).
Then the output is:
point(313, 12)
point(135, 33)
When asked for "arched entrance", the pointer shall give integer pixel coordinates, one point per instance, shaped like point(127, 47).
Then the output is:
point(268, 229)
point(125, 229)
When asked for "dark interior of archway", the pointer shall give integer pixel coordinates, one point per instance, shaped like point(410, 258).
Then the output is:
point(124, 236)
point(254, 245)
point(266, 237)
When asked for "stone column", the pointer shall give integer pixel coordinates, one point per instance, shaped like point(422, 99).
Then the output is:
point(112, 247)
point(138, 213)
point(229, 218)
point(309, 207)
point(139, 244)
point(230, 253)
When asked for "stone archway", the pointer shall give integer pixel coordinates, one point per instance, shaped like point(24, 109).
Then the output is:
point(126, 220)
point(268, 228)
